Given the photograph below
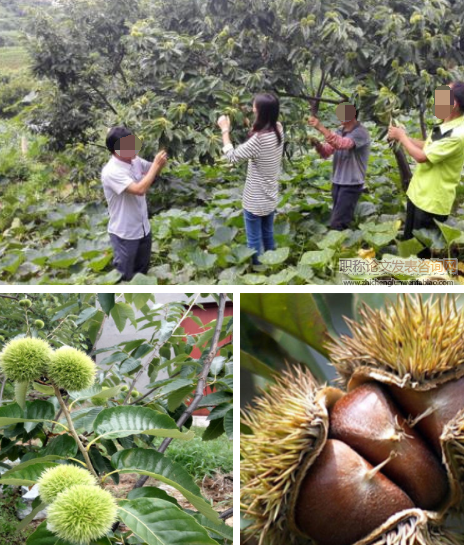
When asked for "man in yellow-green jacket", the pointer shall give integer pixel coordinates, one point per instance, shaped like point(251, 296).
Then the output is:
point(440, 159)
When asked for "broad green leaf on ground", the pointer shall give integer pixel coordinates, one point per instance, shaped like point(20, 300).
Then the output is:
point(317, 258)
point(275, 257)
point(162, 468)
point(333, 239)
point(411, 247)
point(119, 422)
point(27, 476)
point(295, 313)
point(451, 234)
point(159, 522)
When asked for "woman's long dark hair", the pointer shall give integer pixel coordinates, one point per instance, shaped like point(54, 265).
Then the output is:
point(268, 109)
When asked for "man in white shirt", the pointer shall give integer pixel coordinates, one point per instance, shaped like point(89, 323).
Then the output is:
point(126, 179)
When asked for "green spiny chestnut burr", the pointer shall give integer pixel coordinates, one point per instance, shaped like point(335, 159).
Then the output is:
point(55, 480)
point(24, 360)
point(82, 514)
point(71, 369)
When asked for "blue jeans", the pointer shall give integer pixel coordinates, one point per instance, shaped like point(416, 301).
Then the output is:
point(260, 233)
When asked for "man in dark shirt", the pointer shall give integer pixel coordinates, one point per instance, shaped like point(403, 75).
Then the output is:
point(350, 146)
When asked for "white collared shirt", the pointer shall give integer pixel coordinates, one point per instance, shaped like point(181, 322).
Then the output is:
point(128, 212)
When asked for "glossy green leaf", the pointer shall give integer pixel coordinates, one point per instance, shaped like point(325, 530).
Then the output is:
point(247, 361)
point(218, 530)
point(42, 536)
point(151, 492)
point(229, 424)
point(27, 476)
point(121, 312)
point(159, 522)
point(295, 313)
point(162, 468)
point(63, 445)
point(214, 430)
point(106, 301)
point(123, 421)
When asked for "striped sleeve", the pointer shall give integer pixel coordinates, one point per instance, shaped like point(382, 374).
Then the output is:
point(249, 150)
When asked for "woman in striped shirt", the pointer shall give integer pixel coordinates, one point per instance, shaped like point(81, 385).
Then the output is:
point(263, 150)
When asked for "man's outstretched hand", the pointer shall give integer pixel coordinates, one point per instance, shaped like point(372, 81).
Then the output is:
point(161, 159)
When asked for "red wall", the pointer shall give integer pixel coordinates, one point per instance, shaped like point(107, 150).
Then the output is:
point(207, 315)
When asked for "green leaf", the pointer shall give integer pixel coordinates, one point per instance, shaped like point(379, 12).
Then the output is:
point(52, 458)
point(121, 312)
point(124, 421)
point(158, 522)
point(215, 398)
point(451, 234)
point(165, 331)
point(38, 411)
point(177, 397)
point(27, 475)
point(43, 389)
point(220, 411)
point(214, 430)
point(411, 247)
point(86, 314)
point(217, 365)
point(29, 518)
point(177, 384)
point(220, 530)
point(106, 301)
point(317, 258)
point(42, 536)
point(63, 445)
point(151, 492)
point(141, 299)
point(203, 260)
point(333, 239)
point(297, 314)
point(152, 463)
point(108, 393)
point(10, 412)
point(275, 257)
point(229, 424)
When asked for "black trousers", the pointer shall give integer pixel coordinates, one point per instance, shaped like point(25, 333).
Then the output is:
point(131, 256)
point(420, 219)
point(345, 198)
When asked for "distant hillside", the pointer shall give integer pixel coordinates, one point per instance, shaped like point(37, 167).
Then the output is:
point(11, 14)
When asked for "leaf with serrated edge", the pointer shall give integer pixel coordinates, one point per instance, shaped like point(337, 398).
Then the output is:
point(165, 470)
point(119, 422)
point(159, 522)
point(26, 476)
